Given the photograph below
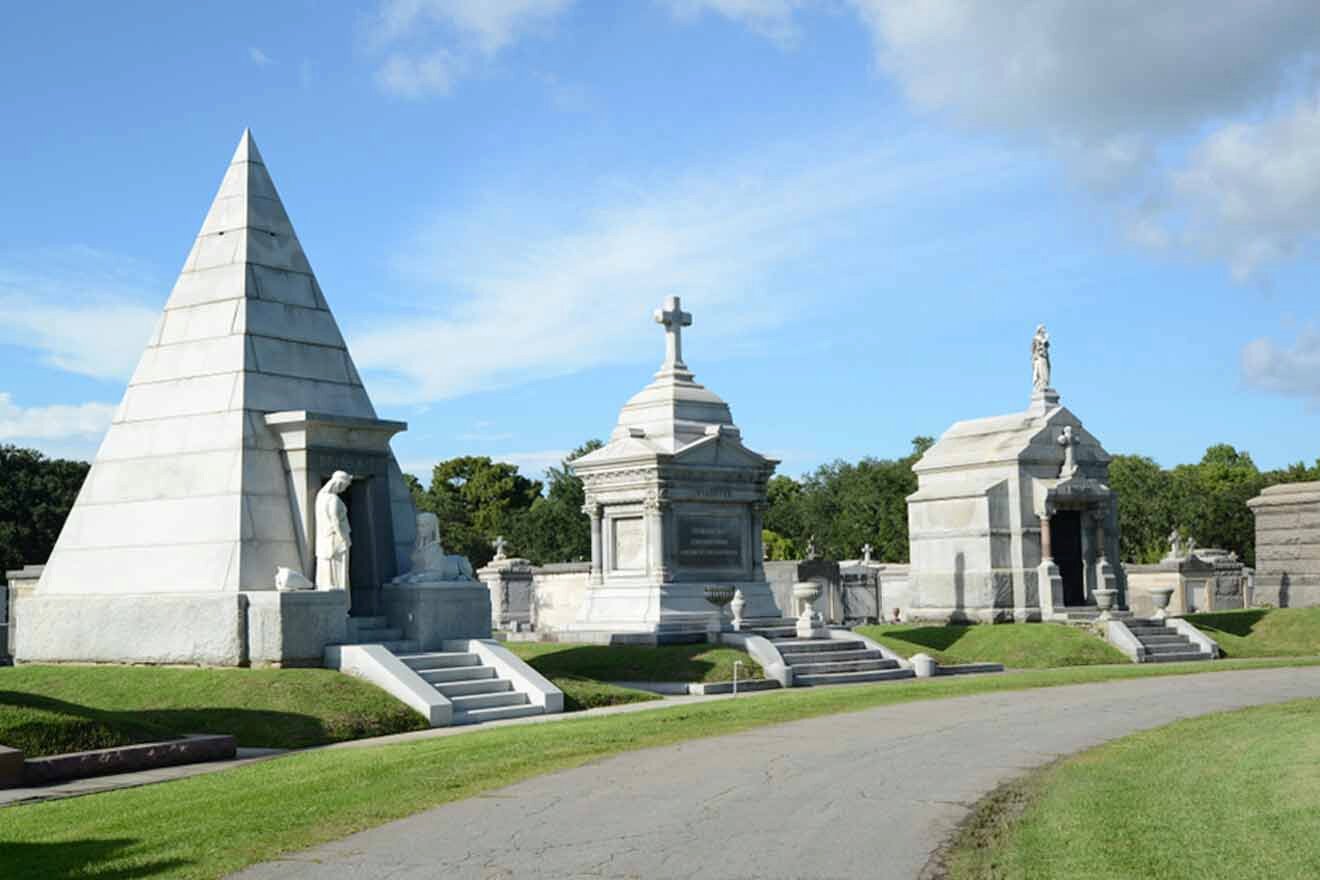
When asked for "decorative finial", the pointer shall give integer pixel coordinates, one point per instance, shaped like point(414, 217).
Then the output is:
point(499, 544)
point(674, 320)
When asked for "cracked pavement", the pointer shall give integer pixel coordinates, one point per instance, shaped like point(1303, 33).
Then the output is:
point(866, 794)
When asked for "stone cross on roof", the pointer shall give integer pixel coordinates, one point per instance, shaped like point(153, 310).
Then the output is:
point(1069, 443)
point(674, 319)
point(867, 550)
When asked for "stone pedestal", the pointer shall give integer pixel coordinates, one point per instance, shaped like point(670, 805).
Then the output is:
point(431, 613)
point(511, 593)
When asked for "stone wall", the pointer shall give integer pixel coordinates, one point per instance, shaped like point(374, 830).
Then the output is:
point(1287, 545)
point(557, 594)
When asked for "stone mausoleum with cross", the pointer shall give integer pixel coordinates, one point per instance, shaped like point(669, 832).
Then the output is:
point(676, 502)
point(1013, 517)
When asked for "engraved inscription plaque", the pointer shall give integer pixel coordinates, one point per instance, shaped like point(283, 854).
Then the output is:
point(628, 545)
point(710, 541)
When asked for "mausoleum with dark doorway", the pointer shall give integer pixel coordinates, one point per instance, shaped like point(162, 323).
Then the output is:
point(1013, 518)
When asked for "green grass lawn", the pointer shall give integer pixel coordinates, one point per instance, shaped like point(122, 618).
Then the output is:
point(1263, 632)
point(1016, 645)
point(51, 709)
point(1233, 796)
point(583, 672)
point(211, 825)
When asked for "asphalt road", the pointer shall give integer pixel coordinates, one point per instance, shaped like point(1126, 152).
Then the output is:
point(869, 794)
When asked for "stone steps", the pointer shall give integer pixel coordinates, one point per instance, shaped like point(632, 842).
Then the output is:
point(474, 690)
point(818, 679)
point(1164, 644)
point(817, 662)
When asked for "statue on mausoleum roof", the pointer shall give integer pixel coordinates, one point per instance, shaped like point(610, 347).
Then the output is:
point(1040, 359)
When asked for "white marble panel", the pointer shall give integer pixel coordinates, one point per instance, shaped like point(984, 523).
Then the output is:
point(291, 322)
point(226, 214)
point(174, 476)
point(300, 359)
point(169, 436)
point(181, 397)
point(196, 357)
point(200, 321)
point(260, 558)
point(217, 249)
point(165, 568)
point(281, 285)
point(269, 393)
point(167, 521)
point(209, 285)
point(268, 214)
point(267, 518)
point(281, 251)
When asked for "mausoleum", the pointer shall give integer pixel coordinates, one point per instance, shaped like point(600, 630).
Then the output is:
point(1013, 517)
point(676, 502)
point(1287, 545)
point(245, 500)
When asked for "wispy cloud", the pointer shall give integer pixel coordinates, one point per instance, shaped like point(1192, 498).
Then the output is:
point(1169, 116)
point(52, 422)
point(84, 311)
point(1290, 369)
point(430, 44)
point(259, 58)
point(533, 304)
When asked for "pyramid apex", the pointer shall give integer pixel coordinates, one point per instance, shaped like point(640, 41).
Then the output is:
point(246, 150)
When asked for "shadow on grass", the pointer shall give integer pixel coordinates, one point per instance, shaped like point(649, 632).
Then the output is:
point(255, 728)
point(69, 860)
point(626, 663)
point(1236, 623)
point(936, 638)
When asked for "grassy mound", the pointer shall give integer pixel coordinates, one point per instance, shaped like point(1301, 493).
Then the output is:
point(583, 672)
point(1017, 646)
point(1263, 632)
point(48, 710)
point(1164, 803)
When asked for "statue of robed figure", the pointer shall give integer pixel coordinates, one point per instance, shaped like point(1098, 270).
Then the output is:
point(332, 534)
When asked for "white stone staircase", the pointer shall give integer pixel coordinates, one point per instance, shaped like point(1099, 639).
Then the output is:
point(468, 681)
point(844, 659)
point(474, 689)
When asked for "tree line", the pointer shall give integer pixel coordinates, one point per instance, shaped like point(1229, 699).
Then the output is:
point(840, 506)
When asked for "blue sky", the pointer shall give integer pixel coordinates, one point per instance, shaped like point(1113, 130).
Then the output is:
point(867, 205)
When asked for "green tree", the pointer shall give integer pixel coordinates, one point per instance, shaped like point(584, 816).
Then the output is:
point(554, 528)
point(36, 494)
point(1145, 507)
point(475, 500)
point(1210, 500)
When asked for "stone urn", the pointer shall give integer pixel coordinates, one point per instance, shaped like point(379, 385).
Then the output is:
point(1159, 597)
point(737, 606)
point(924, 666)
point(809, 622)
point(719, 595)
point(1104, 600)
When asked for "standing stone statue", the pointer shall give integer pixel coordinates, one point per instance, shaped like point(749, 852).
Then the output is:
point(1040, 359)
point(811, 547)
point(332, 534)
point(500, 546)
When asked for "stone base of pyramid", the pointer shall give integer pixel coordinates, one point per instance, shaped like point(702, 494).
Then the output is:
point(257, 628)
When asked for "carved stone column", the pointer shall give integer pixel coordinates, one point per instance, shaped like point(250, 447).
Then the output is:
point(592, 509)
point(655, 508)
point(758, 550)
point(1046, 541)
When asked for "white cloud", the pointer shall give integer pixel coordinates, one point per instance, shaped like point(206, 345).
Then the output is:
point(417, 76)
point(770, 18)
point(434, 42)
point(85, 311)
point(1292, 370)
point(260, 58)
point(1251, 192)
point(536, 304)
point(1156, 108)
point(52, 422)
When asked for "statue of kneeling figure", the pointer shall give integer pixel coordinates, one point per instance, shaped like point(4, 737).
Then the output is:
point(430, 563)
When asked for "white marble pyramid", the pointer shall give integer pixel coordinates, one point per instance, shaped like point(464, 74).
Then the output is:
point(190, 499)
